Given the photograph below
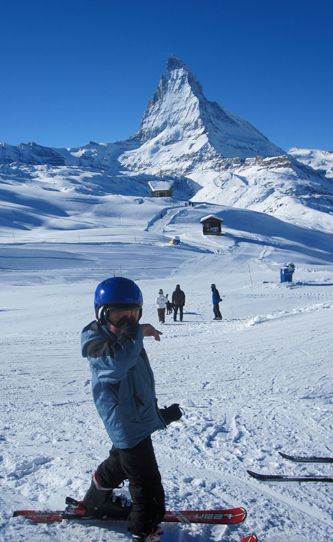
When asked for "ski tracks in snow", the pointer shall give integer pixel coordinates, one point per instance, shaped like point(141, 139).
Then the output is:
point(245, 403)
point(248, 391)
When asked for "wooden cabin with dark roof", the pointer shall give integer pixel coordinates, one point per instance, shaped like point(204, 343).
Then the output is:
point(211, 225)
point(161, 189)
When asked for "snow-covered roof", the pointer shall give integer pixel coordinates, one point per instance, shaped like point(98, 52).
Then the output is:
point(204, 218)
point(160, 185)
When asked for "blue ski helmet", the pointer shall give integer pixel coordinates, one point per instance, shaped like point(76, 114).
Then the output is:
point(116, 293)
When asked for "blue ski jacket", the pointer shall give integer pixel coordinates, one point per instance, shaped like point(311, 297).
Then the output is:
point(215, 296)
point(123, 385)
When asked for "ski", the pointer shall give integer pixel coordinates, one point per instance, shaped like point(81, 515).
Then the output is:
point(231, 516)
point(288, 478)
point(306, 459)
point(251, 538)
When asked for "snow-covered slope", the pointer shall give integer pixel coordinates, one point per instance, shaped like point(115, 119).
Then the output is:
point(75, 197)
point(279, 186)
point(257, 383)
point(315, 158)
point(70, 198)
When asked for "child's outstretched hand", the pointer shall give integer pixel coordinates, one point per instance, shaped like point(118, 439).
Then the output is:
point(150, 331)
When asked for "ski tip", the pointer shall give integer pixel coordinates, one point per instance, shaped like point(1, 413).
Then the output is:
point(254, 474)
point(285, 456)
point(251, 538)
point(266, 477)
point(306, 459)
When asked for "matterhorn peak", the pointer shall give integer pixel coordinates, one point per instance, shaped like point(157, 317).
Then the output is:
point(178, 70)
point(175, 63)
point(179, 113)
point(175, 104)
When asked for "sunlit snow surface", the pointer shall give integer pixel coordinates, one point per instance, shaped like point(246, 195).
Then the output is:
point(315, 158)
point(257, 383)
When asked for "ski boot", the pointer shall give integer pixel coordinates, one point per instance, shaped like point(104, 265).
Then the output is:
point(98, 502)
point(74, 509)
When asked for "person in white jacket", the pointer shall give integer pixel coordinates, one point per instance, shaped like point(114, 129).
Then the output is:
point(161, 302)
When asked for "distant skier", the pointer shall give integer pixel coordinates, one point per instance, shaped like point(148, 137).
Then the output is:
point(178, 301)
point(216, 299)
point(161, 303)
point(124, 393)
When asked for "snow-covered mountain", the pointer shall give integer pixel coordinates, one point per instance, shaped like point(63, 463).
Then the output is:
point(180, 124)
point(315, 158)
point(279, 186)
point(29, 154)
point(211, 155)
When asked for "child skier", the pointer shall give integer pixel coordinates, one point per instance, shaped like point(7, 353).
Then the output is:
point(124, 393)
point(161, 303)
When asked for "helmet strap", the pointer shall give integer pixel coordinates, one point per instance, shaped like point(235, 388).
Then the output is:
point(100, 315)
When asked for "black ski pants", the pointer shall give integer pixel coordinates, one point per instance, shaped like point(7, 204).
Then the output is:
point(216, 309)
point(137, 465)
point(175, 311)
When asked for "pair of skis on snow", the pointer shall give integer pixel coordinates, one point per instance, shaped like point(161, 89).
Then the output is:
point(287, 478)
point(232, 516)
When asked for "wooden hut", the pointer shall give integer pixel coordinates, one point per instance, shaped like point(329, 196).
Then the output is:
point(211, 225)
point(160, 189)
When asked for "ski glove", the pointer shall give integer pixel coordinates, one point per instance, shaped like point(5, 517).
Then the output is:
point(171, 414)
point(128, 331)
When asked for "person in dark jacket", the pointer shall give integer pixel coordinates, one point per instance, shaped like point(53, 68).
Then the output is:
point(216, 299)
point(178, 301)
point(124, 393)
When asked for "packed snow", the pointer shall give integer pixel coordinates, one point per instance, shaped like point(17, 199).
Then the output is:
point(257, 383)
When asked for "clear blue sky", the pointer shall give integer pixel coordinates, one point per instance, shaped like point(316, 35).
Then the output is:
point(79, 70)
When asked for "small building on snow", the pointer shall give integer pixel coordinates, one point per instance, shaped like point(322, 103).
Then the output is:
point(161, 189)
point(211, 225)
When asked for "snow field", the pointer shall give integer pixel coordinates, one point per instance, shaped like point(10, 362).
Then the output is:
point(251, 385)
